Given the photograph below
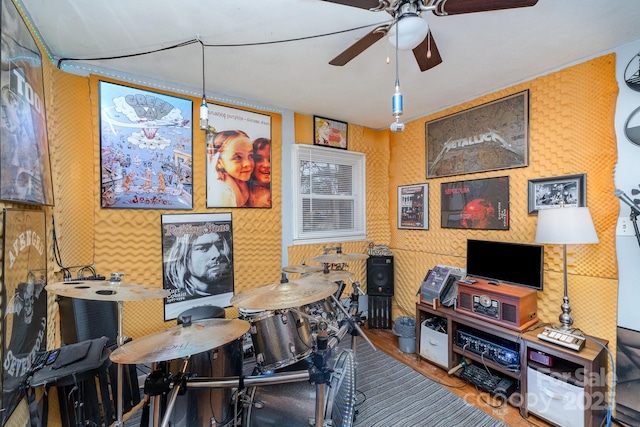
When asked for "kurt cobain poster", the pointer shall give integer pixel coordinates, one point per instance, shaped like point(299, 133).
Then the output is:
point(24, 301)
point(197, 261)
point(25, 171)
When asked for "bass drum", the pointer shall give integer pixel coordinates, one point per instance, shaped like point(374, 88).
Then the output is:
point(199, 406)
point(340, 397)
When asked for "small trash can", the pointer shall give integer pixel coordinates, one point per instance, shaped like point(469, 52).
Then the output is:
point(405, 329)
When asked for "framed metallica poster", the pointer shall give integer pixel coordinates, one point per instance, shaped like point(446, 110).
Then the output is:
point(24, 301)
point(146, 149)
point(197, 261)
point(481, 204)
point(25, 168)
point(488, 137)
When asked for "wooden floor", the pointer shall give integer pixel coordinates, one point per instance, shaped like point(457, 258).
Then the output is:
point(385, 340)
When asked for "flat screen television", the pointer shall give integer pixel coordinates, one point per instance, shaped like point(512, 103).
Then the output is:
point(513, 263)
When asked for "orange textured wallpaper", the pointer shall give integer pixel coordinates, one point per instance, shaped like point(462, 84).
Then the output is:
point(571, 132)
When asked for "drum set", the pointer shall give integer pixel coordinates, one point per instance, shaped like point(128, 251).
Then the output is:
point(291, 327)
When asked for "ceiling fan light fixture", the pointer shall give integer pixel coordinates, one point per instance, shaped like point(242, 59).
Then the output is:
point(411, 29)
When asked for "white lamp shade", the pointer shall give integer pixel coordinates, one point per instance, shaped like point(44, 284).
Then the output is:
point(411, 31)
point(565, 226)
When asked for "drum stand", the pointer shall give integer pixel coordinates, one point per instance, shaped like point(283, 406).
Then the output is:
point(120, 341)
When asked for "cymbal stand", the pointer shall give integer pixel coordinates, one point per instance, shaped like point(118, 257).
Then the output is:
point(114, 280)
point(350, 316)
point(177, 389)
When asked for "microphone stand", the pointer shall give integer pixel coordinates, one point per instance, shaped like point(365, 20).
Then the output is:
point(634, 219)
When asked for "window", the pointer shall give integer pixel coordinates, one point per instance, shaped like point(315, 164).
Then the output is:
point(329, 195)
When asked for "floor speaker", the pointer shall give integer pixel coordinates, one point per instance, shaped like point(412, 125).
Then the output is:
point(380, 275)
point(82, 319)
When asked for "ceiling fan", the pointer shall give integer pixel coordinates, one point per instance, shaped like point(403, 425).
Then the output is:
point(404, 11)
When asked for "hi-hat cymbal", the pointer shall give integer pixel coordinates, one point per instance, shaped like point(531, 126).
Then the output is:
point(302, 269)
point(105, 290)
point(339, 258)
point(180, 341)
point(294, 293)
point(331, 275)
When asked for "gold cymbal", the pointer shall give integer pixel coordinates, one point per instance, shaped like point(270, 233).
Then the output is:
point(105, 290)
point(180, 341)
point(302, 269)
point(331, 275)
point(294, 293)
point(339, 258)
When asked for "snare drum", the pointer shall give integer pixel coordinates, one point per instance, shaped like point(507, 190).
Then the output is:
point(280, 338)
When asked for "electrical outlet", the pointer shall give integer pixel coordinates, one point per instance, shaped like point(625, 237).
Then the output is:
point(625, 227)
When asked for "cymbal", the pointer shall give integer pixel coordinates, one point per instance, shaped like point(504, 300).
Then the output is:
point(294, 293)
point(332, 275)
point(180, 341)
point(105, 290)
point(339, 258)
point(302, 269)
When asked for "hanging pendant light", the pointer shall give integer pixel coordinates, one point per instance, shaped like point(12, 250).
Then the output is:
point(204, 109)
point(397, 100)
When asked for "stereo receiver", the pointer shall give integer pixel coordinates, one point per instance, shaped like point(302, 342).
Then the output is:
point(511, 306)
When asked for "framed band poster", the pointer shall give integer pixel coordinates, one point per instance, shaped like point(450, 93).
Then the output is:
point(481, 204)
point(25, 168)
point(488, 137)
point(146, 149)
point(24, 302)
point(197, 261)
point(238, 158)
point(413, 206)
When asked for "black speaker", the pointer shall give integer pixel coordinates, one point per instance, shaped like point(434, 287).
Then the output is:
point(380, 275)
point(82, 319)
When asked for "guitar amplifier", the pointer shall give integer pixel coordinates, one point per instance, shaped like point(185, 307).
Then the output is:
point(510, 306)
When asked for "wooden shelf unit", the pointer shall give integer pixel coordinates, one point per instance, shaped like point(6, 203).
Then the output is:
point(586, 369)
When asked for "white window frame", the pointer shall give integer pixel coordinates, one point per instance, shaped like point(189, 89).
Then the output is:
point(305, 152)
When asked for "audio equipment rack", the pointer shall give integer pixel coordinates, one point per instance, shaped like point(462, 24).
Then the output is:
point(584, 371)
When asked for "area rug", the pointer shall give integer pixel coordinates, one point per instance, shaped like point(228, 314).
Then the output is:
point(389, 394)
point(392, 394)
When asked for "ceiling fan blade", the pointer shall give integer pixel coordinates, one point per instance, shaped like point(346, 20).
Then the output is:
point(358, 47)
point(362, 4)
point(456, 7)
point(421, 52)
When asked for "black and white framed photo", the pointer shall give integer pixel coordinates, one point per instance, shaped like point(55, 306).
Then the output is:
point(197, 261)
point(413, 206)
point(555, 192)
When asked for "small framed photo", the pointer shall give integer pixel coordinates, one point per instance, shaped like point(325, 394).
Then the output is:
point(329, 132)
point(413, 206)
point(554, 192)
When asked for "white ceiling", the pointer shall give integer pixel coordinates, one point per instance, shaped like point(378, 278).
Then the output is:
point(481, 52)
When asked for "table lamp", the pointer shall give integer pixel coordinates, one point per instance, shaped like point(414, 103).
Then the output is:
point(565, 226)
